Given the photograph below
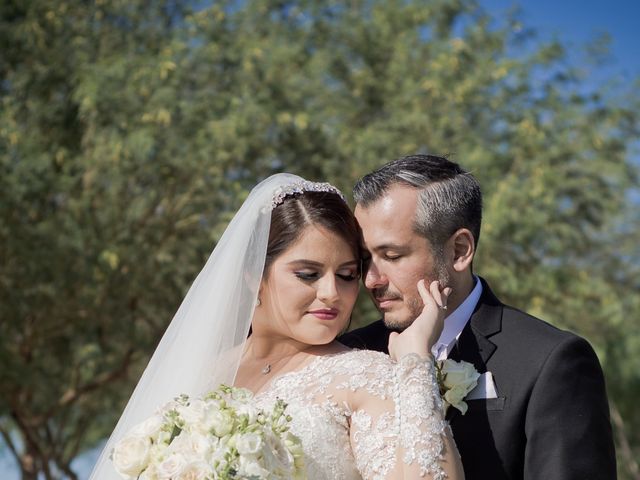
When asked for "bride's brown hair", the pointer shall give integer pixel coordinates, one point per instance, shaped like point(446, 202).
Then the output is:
point(323, 209)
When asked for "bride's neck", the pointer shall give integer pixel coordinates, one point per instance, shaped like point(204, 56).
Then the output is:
point(262, 347)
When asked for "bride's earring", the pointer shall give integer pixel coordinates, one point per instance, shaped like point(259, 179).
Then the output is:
point(259, 302)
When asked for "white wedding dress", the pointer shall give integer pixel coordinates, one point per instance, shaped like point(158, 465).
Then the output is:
point(360, 415)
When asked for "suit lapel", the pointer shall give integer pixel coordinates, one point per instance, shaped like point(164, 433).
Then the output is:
point(474, 345)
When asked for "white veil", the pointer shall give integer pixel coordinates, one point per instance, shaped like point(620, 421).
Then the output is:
point(202, 346)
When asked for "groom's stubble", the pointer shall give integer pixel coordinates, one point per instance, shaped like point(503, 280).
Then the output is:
point(413, 302)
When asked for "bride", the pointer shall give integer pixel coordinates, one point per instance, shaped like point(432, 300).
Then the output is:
point(264, 313)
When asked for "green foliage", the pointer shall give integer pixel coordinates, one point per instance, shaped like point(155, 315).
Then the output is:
point(131, 131)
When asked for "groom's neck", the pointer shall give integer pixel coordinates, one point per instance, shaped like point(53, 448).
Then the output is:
point(462, 285)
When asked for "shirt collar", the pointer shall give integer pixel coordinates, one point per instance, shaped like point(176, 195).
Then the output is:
point(457, 320)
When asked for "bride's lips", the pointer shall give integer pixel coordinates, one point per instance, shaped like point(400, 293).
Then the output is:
point(325, 313)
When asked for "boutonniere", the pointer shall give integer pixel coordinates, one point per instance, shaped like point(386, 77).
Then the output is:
point(456, 380)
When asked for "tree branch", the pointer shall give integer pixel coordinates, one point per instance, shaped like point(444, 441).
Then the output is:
point(79, 434)
point(66, 468)
point(53, 444)
point(73, 394)
point(10, 444)
point(33, 454)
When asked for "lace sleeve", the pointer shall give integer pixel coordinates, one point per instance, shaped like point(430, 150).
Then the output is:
point(400, 433)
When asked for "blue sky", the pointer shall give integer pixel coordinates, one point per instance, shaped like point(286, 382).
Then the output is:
point(574, 22)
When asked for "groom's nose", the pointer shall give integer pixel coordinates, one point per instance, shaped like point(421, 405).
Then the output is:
point(374, 278)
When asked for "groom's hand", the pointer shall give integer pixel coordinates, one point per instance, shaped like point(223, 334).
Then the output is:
point(425, 330)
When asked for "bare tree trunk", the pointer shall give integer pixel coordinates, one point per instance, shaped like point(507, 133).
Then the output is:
point(66, 468)
point(28, 466)
point(34, 460)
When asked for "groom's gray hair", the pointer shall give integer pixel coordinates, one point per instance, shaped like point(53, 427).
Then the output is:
point(450, 197)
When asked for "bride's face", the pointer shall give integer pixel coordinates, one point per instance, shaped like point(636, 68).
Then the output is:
point(309, 290)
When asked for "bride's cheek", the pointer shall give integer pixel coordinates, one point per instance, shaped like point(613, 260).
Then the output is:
point(352, 294)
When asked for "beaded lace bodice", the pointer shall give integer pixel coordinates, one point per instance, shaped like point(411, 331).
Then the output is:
point(361, 415)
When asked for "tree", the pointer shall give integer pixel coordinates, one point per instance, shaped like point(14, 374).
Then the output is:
point(84, 194)
point(131, 131)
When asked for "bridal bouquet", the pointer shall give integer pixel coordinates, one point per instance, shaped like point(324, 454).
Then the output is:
point(456, 380)
point(220, 436)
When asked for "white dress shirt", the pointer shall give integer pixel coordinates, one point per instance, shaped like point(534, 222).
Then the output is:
point(455, 323)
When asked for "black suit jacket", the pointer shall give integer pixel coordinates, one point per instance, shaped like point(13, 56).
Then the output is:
point(551, 418)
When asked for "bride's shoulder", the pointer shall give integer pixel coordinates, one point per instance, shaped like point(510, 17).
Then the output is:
point(364, 371)
point(364, 357)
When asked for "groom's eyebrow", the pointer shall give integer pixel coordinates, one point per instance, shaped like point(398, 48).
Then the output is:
point(389, 246)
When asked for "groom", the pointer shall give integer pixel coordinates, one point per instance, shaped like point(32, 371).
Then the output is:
point(540, 409)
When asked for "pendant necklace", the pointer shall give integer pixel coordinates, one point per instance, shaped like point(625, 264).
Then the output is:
point(269, 366)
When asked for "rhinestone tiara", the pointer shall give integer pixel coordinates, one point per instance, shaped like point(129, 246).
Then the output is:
point(300, 187)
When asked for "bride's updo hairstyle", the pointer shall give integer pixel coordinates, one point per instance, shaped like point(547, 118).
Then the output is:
point(322, 209)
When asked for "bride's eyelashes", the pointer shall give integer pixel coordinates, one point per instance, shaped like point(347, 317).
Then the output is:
point(349, 277)
point(349, 274)
point(306, 276)
point(312, 276)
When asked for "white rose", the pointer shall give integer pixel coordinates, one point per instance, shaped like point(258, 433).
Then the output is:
point(461, 374)
point(172, 466)
point(249, 444)
point(455, 397)
point(149, 428)
point(220, 421)
point(201, 444)
point(191, 445)
point(194, 413)
point(196, 470)
point(131, 455)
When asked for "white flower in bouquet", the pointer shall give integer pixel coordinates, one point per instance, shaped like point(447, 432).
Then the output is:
point(194, 413)
point(249, 467)
point(220, 436)
point(150, 427)
point(249, 444)
point(197, 470)
point(295, 448)
point(172, 466)
point(251, 411)
point(456, 380)
point(192, 445)
point(131, 455)
point(278, 457)
point(220, 422)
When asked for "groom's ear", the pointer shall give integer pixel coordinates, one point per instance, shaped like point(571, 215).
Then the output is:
point(463, 247)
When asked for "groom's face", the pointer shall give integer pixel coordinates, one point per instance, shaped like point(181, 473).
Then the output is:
point(400, 257)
